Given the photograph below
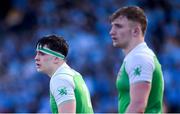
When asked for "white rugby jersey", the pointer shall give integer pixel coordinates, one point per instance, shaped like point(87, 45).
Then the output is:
point(68, 84)
point(140, 64)
point(62, 83)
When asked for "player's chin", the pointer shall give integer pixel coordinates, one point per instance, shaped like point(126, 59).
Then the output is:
point(115, 44)
point(39, 70)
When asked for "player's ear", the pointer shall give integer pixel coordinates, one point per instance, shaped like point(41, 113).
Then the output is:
point(136, 31)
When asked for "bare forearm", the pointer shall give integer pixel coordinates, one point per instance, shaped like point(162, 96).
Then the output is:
point(136, 108)
point(139, 94)
point(68, 107)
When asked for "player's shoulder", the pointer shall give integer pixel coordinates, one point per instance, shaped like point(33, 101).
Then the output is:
point(139, 54)
point(66, 73)
point(144, 56)
point(141, 61)
point(64, 70)
point(62, 78)
point(69, 71)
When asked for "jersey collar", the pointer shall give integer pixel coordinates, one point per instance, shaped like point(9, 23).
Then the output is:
point(60, 68)
point(135, 49)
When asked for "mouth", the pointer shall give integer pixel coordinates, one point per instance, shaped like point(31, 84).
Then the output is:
point(113, 38)
point(38, 65)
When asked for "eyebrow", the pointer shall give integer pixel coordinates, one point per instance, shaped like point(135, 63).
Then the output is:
point(117, 24)
point(41, 52)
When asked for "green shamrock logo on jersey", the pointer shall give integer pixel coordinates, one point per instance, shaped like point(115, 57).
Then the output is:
point(137, 71)
point(62, 91)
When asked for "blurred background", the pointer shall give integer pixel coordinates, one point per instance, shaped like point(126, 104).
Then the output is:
point(85, 26)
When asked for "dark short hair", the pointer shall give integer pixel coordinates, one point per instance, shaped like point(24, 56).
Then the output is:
point(55, 43)
point(133, 13)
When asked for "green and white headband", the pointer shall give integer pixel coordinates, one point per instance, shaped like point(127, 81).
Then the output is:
point(49, 51)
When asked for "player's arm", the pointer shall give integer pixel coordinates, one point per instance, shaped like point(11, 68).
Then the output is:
point(140, 72)
point(139, 93)
point(67, 107)
point(62, 88)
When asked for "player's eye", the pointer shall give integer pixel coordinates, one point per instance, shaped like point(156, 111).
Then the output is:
point(41, 53)
point(118, 25)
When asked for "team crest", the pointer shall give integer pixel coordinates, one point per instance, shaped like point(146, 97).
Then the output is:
point(62, 91)
point(137, 70)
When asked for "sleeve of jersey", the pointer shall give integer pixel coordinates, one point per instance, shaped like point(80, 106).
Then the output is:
point(62, 88)
point(140, 68)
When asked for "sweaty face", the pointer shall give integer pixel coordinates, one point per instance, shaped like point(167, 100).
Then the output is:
point(43, 62)
point(120, 32)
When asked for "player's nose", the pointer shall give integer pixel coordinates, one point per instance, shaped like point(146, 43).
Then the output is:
point(36, 57)
point(111, 32)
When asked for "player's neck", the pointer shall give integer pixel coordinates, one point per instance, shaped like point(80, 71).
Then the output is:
point(133, 44)
point(55, 68)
